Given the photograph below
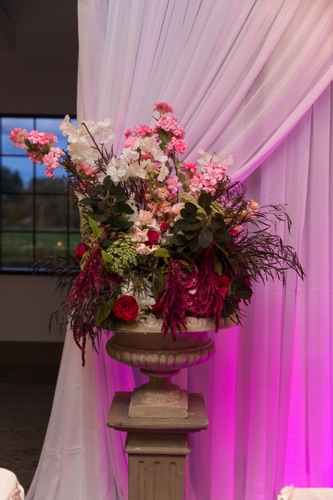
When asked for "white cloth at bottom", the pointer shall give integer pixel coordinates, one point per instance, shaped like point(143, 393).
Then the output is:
point(10, 488)
point(291, 493)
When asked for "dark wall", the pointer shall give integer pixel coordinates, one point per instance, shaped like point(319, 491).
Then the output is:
point(38, 56)
point(38, 75)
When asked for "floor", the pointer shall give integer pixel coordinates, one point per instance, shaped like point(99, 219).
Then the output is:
point(26, 395)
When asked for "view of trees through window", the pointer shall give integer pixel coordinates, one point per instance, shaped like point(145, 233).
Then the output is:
point(37, 218)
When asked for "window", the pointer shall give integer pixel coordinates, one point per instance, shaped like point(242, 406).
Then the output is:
point(37, 219)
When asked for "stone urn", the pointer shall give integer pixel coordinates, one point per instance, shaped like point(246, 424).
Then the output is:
point(142, 345)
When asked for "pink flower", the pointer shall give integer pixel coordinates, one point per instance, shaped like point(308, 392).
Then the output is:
point(130, 140)
point(142, 130)
point(18, 136)
point(169, 124)
point(85, 169)
point(176, 208)
point(41, 139)
point(187, 166)
point(176, 145)
point(196, 183)
point(161, 193)
point(173, 185)
point(236, 229)
point(164, 226)
point(163, 108)
point(35, 157)
point(51, 161)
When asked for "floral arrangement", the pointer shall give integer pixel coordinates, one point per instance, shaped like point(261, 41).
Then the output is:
point(160, 235)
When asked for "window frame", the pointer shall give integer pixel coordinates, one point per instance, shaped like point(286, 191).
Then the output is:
point(71, 230)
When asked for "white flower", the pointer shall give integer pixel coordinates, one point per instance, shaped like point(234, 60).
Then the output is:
point(104, 131)
point(81, 146)
point(139, 235)
point(164, 172)
point(145, 217)
point(143, 249)
point(116, 170)
point(129, 155)
point(80, 151)
point(68, 129)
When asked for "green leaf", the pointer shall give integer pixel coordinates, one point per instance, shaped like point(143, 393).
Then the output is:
point(88, 201)
point(121, 223)
point(119, 193)
point(222, 236)
point(107, 183)
point(189, 212)
point(218, 222)
point(162, 252)
point(94, 226)
point(104, 311)
point(121, 207)
point(106, 257)
point(106, 243)
point(178, 239)
point(205, 201)
point(194, 244)
point(167, 242)
point(218, 266)
point(165, 137)
point(190, 236)
point(184, 225)
point(205, 238)
point(182, 178)
point(101, 217)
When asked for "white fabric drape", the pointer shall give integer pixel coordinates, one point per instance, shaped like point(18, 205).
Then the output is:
point(250, 78)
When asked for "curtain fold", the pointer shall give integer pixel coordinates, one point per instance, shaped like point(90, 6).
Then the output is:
point(250, 78)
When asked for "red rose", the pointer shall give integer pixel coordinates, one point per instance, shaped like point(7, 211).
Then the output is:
point(164, 226)
point(224, 282)
point(126, 308)
point(153, 237)
point(157, 308)
point(80, 250)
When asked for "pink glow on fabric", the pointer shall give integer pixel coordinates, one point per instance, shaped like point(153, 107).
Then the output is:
point(252, 79)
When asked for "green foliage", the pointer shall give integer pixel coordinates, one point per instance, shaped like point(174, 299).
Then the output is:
point(107, 204)
point(197, 229)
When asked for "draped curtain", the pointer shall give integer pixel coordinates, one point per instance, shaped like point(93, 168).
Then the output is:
point(251, 78)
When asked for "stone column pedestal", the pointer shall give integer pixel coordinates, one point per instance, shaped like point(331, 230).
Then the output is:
point(157, 447)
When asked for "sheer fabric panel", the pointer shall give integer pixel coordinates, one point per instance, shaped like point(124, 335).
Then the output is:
point(251, 78)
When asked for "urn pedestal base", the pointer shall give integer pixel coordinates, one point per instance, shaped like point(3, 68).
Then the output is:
point(159, 398)
point(157, 447)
